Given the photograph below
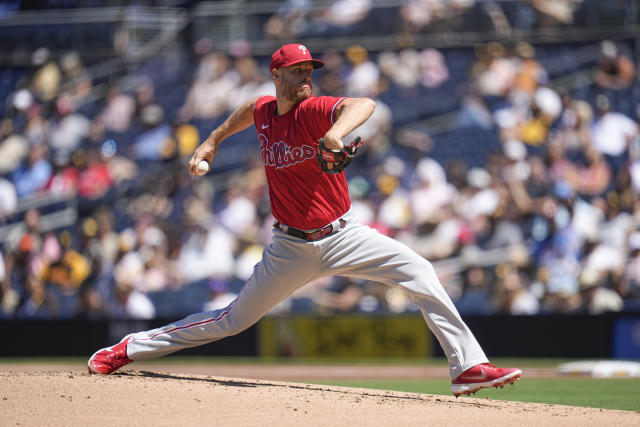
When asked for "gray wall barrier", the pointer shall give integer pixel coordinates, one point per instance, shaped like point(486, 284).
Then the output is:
point(610, 335)
point(50, 338)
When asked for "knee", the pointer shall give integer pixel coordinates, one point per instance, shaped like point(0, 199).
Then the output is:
point(237, 324)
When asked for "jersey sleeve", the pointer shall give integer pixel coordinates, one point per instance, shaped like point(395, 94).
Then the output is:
point(325, 107)
point(259, 110)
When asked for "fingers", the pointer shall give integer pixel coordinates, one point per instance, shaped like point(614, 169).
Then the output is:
point(333, 143)
point(204, 152)
point(193, 164)
point(196, 165)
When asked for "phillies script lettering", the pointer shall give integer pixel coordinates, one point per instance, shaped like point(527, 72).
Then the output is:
point(280, 155)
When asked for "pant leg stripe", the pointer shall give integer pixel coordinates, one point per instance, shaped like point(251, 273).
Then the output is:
point(202, 322)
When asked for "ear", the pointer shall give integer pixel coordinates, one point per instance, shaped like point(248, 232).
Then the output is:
point(275, 74)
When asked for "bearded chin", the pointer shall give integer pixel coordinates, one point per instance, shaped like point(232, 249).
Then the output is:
point(298, 95)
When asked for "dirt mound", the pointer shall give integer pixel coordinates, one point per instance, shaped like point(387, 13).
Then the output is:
point(141, 398)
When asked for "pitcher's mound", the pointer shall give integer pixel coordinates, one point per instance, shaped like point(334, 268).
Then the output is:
point(142, 398)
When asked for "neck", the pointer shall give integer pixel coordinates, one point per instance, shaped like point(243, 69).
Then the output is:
point(283, 105)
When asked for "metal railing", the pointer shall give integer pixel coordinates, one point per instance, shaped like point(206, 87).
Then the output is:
point(65, 216)
point(148, 30)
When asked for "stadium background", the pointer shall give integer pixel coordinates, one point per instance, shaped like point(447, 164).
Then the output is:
point(494, 152)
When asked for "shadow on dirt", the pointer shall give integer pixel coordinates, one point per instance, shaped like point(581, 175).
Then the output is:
point(252, 384)
point(149, 374)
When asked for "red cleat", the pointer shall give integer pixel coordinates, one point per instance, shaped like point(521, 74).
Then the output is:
point(484, 375)
point(110, 359)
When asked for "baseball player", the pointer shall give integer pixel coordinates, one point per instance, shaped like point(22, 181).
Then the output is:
point(315, 233)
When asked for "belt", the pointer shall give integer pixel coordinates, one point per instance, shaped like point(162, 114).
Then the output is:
point(311, 236)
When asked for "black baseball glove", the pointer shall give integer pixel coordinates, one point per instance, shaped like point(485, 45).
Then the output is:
point(338, 159)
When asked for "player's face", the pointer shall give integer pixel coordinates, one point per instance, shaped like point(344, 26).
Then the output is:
point(295, 81)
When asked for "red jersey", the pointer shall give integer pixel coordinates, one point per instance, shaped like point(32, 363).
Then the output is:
point(302, 196)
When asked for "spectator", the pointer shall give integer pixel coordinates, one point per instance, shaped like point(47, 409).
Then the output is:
point(404, 68)
point(13, 150)
point(565, 178)
point(332, 76)
point(90, 306)
point(39, 302)
point(417, 15)
point(220, 295)
point(155, 142)
point(8, 198)
point(363, 80)
point(33, 175)
point(476, 294)
point(546, 106)
point(593, 176)
point(597, 299)
point(131, 304)
point(433, 68)
point(494, 71)
point(118, 110)
point(529, 72)
point(555, 12)
point(77, 80)
point(632, 269)
point(9, 297)
point(203, 244)
point(251, 81)
point(612, 132)
point(614, 69)
point(340, 17)
point(46, 80)
point(64, 180)
point(514, 297)
point(94, 180)
point(69, 128)
point(574, 128)
point(431, 192)
point(210, 93)
point(69, 269)
point(290, 19)
point(144, 95)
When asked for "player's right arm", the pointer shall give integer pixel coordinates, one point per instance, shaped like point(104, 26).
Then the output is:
point(239, 120)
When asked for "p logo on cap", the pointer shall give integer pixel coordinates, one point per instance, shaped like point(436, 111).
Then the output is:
point(291, 54)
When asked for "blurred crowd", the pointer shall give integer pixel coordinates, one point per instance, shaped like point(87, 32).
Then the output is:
point(550, 223)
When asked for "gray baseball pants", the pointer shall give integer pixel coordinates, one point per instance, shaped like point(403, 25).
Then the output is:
point(289, 262)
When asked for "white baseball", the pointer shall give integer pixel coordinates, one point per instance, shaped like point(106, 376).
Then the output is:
point(203, 167)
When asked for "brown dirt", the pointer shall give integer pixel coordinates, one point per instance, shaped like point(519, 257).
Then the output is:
point(147, 394)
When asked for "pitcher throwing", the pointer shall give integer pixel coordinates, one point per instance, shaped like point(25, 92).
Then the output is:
point(314, 233)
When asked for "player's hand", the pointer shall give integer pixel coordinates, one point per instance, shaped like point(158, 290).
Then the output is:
point(332, 142)
point(206, 151)
point(335, 161)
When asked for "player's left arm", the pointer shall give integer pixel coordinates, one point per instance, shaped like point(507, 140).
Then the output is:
point(349, 114)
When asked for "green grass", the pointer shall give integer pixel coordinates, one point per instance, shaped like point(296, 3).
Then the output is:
point(622, 393)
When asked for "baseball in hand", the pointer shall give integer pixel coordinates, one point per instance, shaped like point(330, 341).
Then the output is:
point(203, 167)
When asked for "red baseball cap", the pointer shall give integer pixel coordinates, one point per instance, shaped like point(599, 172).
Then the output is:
point(291, 54)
